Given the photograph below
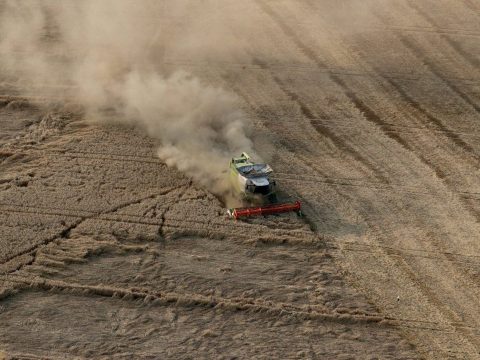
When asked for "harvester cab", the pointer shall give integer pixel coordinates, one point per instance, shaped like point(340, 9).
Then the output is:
point(254, 184)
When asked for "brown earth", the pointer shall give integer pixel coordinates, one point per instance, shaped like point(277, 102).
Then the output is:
point(106, 252)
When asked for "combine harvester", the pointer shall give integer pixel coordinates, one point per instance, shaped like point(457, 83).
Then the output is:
point(254, 183)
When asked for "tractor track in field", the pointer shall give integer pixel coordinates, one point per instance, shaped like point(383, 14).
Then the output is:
point(309, 115)
point(430, 30)
point(438, 124)
point(398, 251)
point(314, 69)
point(472, 60)
point(77, 154)
point(471, 5)
point(419, 53)
point(401, 261)
point(401, 28)
point(371, 116)
point(402, 129)
point(93, 155)
point(370, 185)
point(367, 113)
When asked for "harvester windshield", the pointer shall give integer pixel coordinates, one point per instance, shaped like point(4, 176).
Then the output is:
point(255, 170)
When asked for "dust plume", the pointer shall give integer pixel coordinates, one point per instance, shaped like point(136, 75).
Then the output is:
point(109, 53)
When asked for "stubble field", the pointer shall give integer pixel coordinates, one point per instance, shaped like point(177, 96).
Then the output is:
point(370, 115)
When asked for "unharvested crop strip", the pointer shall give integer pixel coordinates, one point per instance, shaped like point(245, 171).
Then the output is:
point(7, 99)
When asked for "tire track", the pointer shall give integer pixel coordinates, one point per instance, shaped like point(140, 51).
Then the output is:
point(418, 52)
point(368, 113)
point(314, 69)
point(420, 253)
point(431, 30)
point(438, 124)
point(276, 127)
point(319, 127)
point(401, 129)
point(471, 5)
point(362, 107)
point(90, 155)
point(473, 61)
point(402, 264)
point(398, 188)
point(371, 116)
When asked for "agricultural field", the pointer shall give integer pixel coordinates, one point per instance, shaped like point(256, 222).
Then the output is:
point(369, 114)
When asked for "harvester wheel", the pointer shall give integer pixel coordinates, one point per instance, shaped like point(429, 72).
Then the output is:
point(272, 198)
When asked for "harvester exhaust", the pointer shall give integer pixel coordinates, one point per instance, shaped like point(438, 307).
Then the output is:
point(265, 210)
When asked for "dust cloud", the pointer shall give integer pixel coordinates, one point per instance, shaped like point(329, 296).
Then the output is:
point(109, 53)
